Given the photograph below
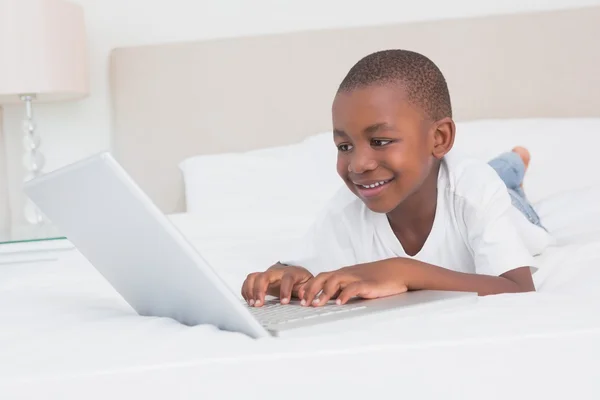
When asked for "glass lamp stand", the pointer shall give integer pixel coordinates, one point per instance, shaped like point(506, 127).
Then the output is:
point(33, 160)
point(37, 226)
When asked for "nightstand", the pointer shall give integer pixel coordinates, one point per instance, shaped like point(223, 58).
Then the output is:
point(27, 245)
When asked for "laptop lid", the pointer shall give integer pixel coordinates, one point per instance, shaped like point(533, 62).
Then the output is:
point(116, 226)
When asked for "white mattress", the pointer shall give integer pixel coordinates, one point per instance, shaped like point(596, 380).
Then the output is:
point(66, 333)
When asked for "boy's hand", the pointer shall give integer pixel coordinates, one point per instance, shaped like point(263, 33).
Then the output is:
point(369, 281)
point(279, 280)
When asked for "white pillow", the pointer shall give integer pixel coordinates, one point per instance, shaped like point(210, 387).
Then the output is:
point(236, 248)
point(563, 151)
point(294, 180)
point(297, 180)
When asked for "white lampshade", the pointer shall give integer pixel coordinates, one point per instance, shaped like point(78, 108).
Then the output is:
point(42, 50)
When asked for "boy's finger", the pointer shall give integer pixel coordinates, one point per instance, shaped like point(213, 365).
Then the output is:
point(261, 284)
point(350, 291)
point(247, 288)
point(330, 288)
point(285, 288)
point(313, 287)
point(302, 290)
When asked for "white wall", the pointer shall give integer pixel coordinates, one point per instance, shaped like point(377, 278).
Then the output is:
point(74, 130)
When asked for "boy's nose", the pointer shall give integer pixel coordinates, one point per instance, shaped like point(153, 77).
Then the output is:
point(361, 163)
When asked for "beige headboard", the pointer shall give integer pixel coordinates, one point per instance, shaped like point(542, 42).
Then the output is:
point(176, 100)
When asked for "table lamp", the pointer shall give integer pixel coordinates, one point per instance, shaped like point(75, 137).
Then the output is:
point(42, 58)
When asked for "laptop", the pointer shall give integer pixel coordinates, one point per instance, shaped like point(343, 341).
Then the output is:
point(151, 264)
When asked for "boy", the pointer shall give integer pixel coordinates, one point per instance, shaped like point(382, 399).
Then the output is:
point(416, 216)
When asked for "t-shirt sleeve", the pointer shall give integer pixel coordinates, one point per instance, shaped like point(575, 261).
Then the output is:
point(325, 247)
point(494, 239)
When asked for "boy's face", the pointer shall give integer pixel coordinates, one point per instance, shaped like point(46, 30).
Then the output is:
point(385, 145)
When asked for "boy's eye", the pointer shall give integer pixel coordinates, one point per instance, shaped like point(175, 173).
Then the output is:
point(380, 142)
point(344, 147)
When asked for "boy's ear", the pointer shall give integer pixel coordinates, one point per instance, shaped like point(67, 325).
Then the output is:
point(443, 137)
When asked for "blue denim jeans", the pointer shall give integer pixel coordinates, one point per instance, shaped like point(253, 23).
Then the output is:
point(509, 166)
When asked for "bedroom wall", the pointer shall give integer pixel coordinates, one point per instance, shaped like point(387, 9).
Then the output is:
point(72, 131)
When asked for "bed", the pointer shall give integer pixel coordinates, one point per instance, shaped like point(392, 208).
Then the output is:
point(194, 122)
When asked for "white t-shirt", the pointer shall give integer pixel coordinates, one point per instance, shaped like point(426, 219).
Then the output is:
point(476, 228)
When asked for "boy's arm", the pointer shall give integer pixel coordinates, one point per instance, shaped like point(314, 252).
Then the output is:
point(397, 275)
point(419, 275)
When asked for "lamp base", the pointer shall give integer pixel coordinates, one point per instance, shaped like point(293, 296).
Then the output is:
point(33, 159)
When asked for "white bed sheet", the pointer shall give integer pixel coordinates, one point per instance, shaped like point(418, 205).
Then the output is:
point(66, 334)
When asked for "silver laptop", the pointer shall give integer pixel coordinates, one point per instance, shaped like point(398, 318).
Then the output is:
point(115, 225)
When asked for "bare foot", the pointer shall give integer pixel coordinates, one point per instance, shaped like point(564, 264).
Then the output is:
point(525, 156)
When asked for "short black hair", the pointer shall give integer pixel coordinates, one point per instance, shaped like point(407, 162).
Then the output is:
point(422, 80)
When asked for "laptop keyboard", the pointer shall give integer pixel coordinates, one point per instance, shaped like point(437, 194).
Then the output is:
point(275, 313)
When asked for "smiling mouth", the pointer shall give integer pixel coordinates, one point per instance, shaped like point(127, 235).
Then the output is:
point(372, 189)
